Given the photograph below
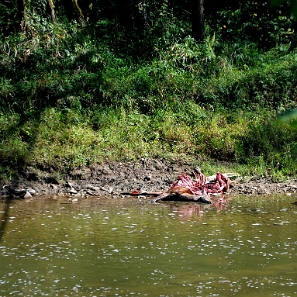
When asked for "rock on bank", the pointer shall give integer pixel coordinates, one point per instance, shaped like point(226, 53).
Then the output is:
point(110, 179)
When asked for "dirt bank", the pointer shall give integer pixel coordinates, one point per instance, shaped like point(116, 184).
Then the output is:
point(111, 179)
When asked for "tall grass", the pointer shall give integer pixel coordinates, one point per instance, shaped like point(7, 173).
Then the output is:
point(63, 140)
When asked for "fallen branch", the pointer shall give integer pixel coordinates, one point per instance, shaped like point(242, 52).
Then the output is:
point(145, 193)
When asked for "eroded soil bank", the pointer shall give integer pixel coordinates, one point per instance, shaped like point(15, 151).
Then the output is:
point(111, 179)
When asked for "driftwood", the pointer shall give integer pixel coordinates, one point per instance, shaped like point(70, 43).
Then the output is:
point(144, 193)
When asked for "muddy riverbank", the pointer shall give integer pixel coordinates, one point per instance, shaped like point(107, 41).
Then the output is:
point(111, 179)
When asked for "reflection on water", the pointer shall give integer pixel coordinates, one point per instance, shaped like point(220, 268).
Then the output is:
point(239, 247)
point(197, 210)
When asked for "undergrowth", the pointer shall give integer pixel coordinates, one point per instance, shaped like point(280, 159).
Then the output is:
point(66, 139)
point(67, 100)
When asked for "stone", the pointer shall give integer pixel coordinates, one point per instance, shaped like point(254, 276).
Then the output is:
point(27, 195)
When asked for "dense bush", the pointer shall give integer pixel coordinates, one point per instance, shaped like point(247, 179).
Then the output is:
point(73, 94)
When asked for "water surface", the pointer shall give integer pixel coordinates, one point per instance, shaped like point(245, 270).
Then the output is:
point(132, 248)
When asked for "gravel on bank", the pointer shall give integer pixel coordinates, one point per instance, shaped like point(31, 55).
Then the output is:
point(111, 179)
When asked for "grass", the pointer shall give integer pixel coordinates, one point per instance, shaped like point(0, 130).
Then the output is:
point(63, 140)
point(79, 104)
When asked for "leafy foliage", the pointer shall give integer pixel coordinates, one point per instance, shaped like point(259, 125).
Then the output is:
point(72, 94)
point(256, 20)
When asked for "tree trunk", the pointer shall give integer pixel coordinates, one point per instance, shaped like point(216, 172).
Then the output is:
point(141, 21)
point(78, 12)
point(52, 10)
point(124, 13)
point(198, 31)
point(132, 14)
point(21, 13)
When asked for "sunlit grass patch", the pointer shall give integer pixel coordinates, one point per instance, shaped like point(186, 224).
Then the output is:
point(218, 133)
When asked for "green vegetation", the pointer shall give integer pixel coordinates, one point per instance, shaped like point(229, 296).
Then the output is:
point(77, 92)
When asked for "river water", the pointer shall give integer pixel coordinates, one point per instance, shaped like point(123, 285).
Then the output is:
point(129, 247)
